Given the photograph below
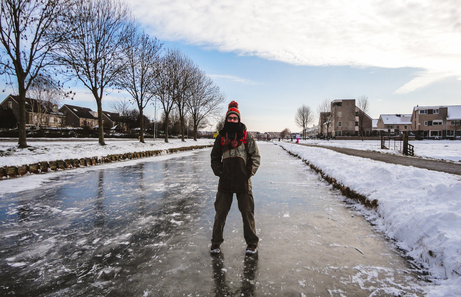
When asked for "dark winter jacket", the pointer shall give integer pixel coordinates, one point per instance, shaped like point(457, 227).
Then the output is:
point(235, 166)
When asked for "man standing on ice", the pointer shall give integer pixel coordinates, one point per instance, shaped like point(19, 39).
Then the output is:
point(234, 158)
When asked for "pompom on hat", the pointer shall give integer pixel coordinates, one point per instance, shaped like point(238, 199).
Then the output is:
point(233, 109)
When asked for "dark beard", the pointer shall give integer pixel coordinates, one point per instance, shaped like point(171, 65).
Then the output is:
point(232, 128)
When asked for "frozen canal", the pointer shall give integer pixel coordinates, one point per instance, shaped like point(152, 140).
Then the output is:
point(143, 228)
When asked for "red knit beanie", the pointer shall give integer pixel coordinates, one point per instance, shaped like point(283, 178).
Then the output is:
point(233, 109)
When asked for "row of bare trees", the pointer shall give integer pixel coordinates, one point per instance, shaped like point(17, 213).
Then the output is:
point(98, 43)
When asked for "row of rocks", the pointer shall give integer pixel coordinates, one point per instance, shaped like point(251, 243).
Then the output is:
point(50, 166)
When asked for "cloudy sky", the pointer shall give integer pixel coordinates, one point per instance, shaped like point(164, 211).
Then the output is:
point(272, 56)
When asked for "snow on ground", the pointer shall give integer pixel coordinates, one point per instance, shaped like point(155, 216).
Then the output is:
point(419, 208)
point(449, 150)
point(51, 150)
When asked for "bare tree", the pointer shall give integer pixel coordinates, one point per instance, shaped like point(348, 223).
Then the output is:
point(26, 34)
point(92, 43)
point(363, 105)
point(141, 54)
point(162, 92)
point(205, 100)
point(324, 110)
point(285, 133)
point(304, 118)
point(220, 125)
point(181, 75)
point(46, 94)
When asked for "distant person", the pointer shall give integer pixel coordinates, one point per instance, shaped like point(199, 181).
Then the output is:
point(297, 138)
point(234, 158)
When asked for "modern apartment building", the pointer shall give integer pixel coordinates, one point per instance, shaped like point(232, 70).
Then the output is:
point(436, 121)
point(346, 119)
point(394, 123)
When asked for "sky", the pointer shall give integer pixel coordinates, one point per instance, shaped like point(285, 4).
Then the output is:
point(274, 56)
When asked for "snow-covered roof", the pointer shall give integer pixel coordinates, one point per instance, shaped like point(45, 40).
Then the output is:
point(396, 119)
point(374, 123)
point(454, 112)
point(428, 107)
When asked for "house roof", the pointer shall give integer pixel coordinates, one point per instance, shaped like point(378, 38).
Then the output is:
point(113, 116)
point(374, 123)
point(396, 119)
point(81, 112)
point(436, 107)
point(34, 105)
point(454, 113)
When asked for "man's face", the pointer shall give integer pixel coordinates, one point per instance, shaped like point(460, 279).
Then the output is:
point(232, 118)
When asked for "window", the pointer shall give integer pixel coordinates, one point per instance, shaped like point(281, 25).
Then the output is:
point(340, 124)
point(51, 120)
point(397, 127)
point(436, 111)
point(425, 123)
point(356, 124)
point(10, 104)
point(405, 127)
point(340, 114)
point(390, 127)
point(356, 113)
point(338, 104)
point(337, 133)
point(423, 111)
point(451, 133)
point(437, 123)
point(455, 123)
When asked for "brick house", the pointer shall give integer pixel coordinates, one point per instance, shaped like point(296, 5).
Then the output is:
point(345, 119)
point(76, 116)
point(436, 121)
point(114, 121)
point(394, 123)
point(39, 113)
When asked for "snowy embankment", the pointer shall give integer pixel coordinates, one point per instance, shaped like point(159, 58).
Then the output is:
point(448, 150)
point(419, 208)
point(46, 151)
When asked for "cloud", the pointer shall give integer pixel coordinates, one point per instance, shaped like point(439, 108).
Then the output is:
point(424, 35)
point(234, 78)
point(424, 78)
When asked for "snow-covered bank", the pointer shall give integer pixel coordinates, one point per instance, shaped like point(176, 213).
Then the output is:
point(449, 150)
point(420, 209)
point(11, 155)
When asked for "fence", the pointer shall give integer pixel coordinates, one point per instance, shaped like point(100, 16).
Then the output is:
point(398, 143)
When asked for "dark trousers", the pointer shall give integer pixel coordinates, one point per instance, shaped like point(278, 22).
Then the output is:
point(246, 206)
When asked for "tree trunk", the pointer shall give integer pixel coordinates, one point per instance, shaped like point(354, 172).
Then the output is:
point(181, 119)
point(166, 126)
point(141, 126)
point(195, 131)
point(100, 123)
point(22, 114)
